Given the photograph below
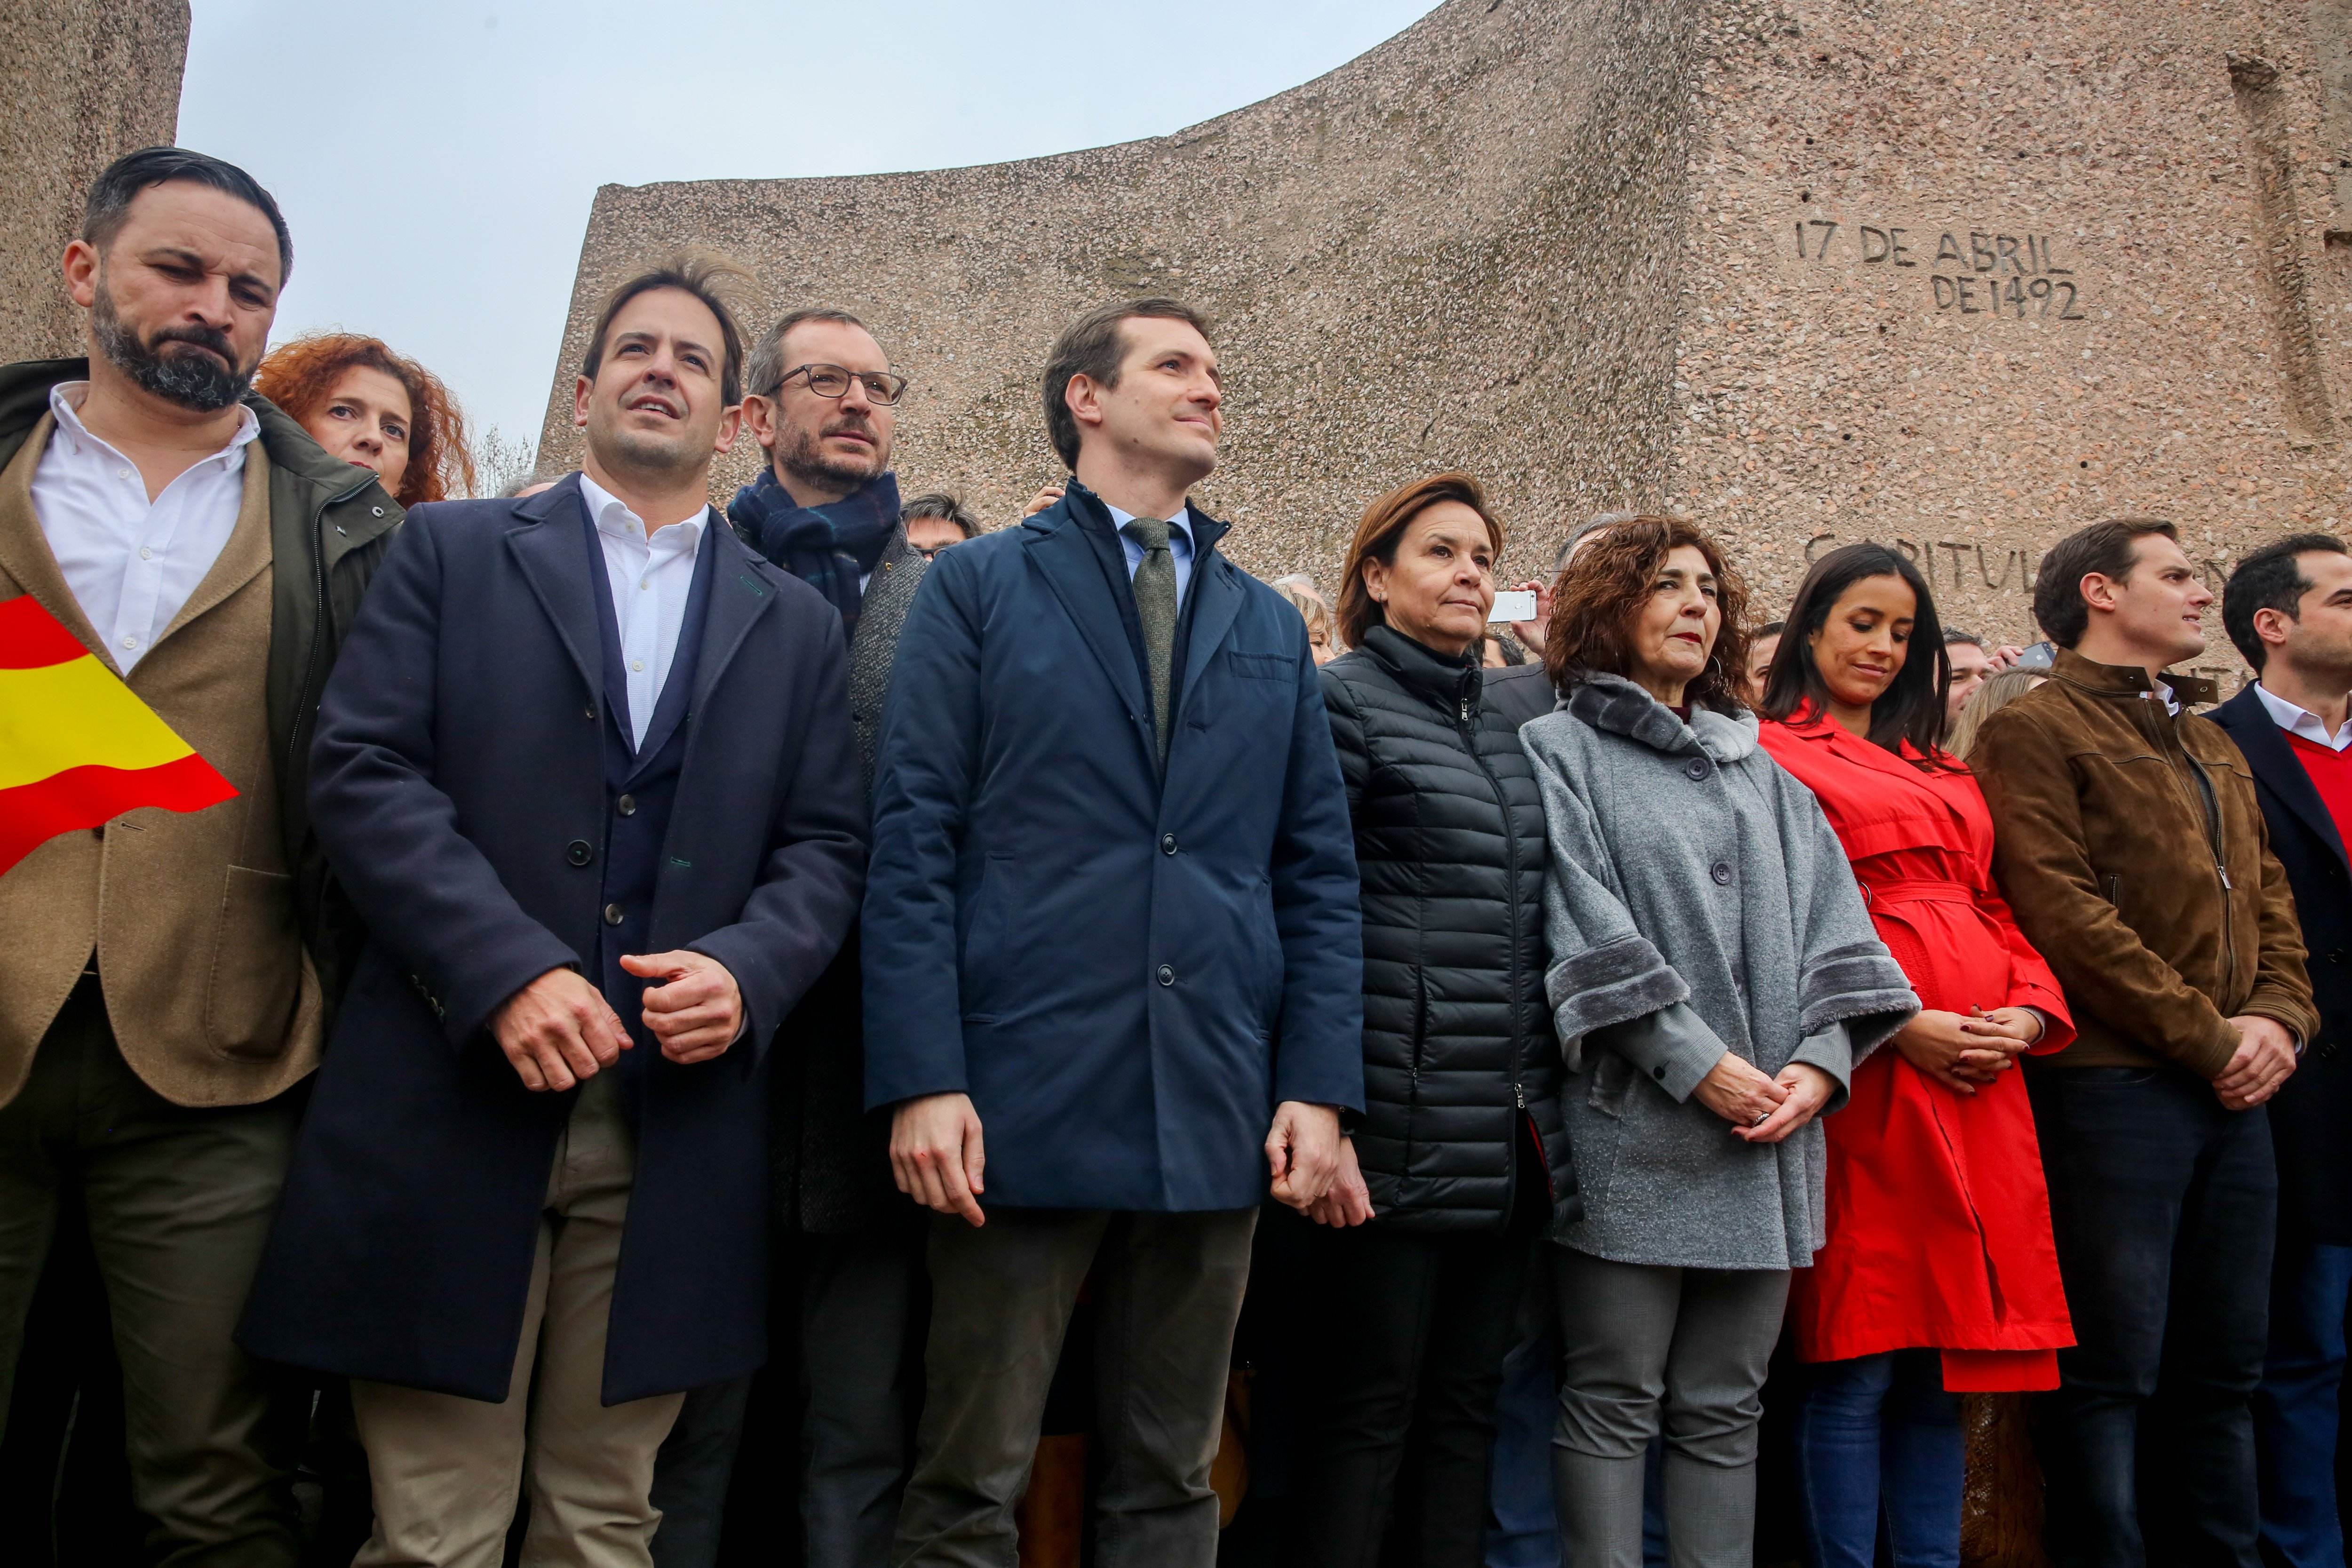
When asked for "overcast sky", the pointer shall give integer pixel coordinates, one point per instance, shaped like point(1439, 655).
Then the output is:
point(436, 160)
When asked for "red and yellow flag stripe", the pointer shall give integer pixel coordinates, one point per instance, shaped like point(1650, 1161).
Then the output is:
point(76, 747)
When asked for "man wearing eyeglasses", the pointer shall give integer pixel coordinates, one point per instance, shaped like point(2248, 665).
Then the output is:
point(822, 402)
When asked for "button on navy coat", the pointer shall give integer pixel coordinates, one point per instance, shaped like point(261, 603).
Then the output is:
point(458, 762)
point(1126, 973)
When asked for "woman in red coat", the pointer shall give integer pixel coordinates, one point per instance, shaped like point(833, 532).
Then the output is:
point(1940, 1277)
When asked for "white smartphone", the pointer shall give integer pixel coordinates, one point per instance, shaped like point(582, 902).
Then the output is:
point(1513, 604)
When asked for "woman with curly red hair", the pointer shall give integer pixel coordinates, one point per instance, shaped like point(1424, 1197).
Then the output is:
point(372, 407)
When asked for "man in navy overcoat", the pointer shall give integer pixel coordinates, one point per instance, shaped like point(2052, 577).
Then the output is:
point(2288, 608)
point(1112, 954)
point(586, 770)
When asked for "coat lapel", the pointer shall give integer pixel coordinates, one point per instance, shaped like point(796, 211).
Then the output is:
point(1218, 600)
point(1062, 555)
point(2273, 762)
point(547, 550)
point(25, 554)
point(738, 599)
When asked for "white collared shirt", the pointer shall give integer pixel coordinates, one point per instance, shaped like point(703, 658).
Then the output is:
point(649, 579)
point(1180, 545)
point(131, 563)
point(2301, 722)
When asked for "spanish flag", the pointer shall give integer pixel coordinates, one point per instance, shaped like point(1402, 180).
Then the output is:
point(76, 748)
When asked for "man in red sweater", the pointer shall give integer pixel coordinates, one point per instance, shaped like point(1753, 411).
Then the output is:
point(2288, 608)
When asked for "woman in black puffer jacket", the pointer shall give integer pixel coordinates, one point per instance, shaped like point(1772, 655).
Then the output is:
point(1459, 1164)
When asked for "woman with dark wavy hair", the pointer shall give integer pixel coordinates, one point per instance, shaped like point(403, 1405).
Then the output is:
point(1940, 1276)
point(375, 409)
point(1713, 979)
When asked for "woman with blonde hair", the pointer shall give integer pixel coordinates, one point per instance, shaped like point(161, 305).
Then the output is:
point(375, 409)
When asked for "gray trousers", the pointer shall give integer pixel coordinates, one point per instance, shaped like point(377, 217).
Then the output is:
point(1168, 1289)
point(855, 1376)
point(179, 1203)
point(1645, 1351)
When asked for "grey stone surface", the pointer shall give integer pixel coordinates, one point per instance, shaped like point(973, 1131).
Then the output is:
point(84, 81)
point(1556, 242)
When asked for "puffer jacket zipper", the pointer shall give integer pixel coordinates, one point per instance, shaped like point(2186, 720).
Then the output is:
point(1468, 719)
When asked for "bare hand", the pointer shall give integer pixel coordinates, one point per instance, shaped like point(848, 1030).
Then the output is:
point(936, 1155)
point(1042, 500)
point(557, 1031)
point(1808, 1090)
point(1958, 1052)
point(1302, 1151)
point(2005, 657)
point(1737, 1090)
point(1531, 633)
point(2264, 1059)
point(1348, 1202)
point(695, 1010)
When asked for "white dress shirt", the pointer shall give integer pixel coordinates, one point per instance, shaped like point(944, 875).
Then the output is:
point(2301, 722)
point(132, 562)
point(649, 579)
point(1180, 545)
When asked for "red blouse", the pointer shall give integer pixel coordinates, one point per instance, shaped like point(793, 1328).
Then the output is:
point(1938, 1215)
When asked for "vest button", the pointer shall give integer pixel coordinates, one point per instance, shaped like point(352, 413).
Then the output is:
point(1721, 872)
point(626, 806)
point(578, 852)
point(1167, 975)
point(612, 914)
point(1168, 843)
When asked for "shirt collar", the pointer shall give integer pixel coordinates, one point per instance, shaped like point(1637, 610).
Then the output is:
point(64, 403)
point(612, 516)
point(1180, 523)
point(2302, 721)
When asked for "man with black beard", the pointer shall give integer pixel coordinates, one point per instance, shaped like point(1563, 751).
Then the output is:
point(823, 404)
point(168, 977)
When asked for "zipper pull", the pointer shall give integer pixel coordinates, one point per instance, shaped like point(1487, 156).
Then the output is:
point(1519, 1096)
point(1465, 709)
point(2225, 876)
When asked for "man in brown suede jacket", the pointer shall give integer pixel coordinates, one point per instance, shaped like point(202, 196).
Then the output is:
point(2130, 841)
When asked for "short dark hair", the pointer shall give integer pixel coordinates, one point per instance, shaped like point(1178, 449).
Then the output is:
point(2109, 549)
point(1954, 635)
point(2270, 579)
point(108, 207)
point(1912, 707)
point(694, 274)
point(1768, 629)
point(940, 504)
point(767, 368)
point(1093, 346)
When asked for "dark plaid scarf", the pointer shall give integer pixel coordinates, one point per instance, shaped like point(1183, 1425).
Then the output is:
point(828, 547)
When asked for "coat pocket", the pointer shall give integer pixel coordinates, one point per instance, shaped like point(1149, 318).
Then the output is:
point(257, 974)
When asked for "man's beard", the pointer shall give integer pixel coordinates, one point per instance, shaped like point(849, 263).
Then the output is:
point(805, 461)
point(192, 381)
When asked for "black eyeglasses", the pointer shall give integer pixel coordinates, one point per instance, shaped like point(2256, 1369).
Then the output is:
point(882, 389)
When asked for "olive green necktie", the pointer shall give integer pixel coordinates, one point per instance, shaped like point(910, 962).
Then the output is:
point(1155, 606)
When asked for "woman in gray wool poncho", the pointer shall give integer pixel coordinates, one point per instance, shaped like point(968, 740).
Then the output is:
point(1714, 977)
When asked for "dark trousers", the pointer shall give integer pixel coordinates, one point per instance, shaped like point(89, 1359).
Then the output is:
point(844, 1352)
point(1167, 1290)
point(1415, 1328)
point(2295, 1411)
point(177, 1202)
point(2164, 1205)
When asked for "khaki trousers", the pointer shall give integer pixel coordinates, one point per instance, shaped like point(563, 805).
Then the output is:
point(178, 1203)
point(447, 1472)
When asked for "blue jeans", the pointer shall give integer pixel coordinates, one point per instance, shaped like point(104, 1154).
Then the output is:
point(2164, 1205)
point(1880, 1430)
point(2295, 1408)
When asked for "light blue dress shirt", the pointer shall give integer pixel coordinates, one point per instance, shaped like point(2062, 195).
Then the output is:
point(1180, 545)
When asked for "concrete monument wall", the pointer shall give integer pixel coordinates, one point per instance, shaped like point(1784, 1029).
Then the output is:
point(84, 81)
point(1947, 272)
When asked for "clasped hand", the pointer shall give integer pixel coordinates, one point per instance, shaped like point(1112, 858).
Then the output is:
point(558, 1031)
point(1763, 1109)
point(1965, 1051)
point(2264, 1059)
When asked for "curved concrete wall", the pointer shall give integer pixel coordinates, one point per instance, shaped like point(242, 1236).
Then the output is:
point(2087, 257)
